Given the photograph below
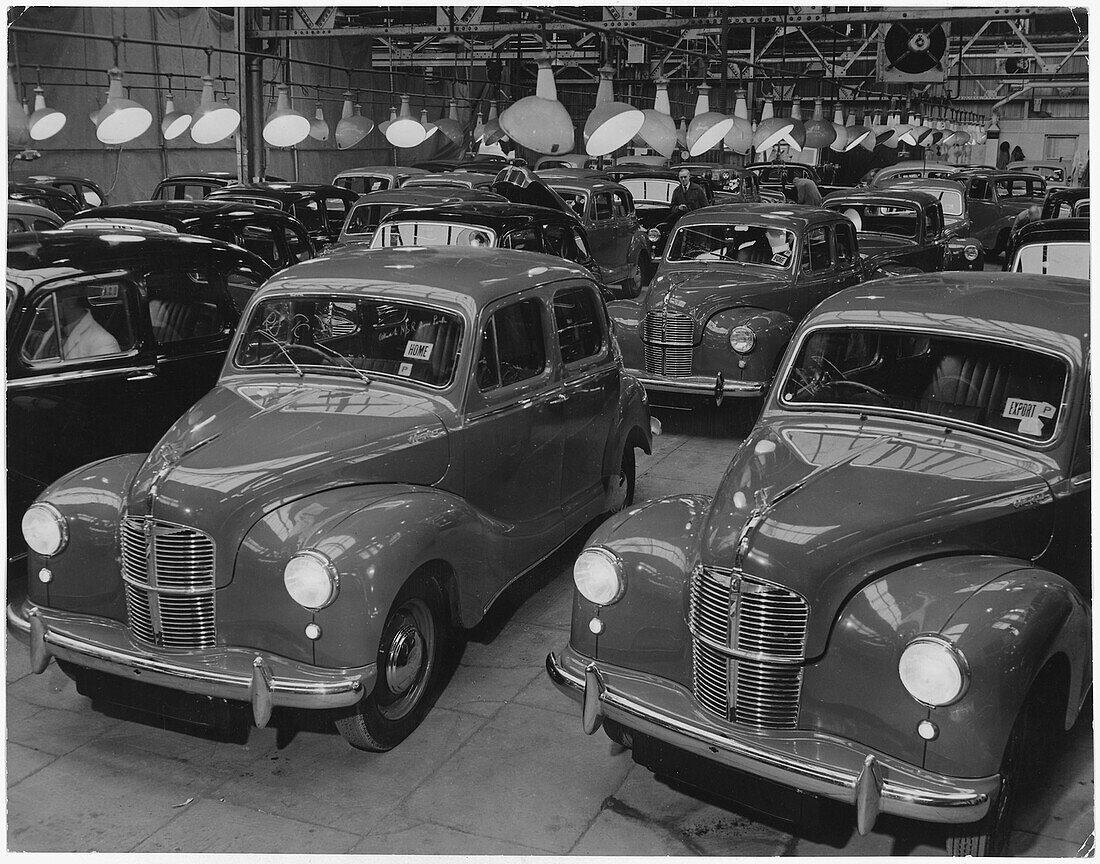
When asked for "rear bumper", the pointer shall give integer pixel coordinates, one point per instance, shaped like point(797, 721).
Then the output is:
point(699, 385)
point(813, 762)
point(242, 674)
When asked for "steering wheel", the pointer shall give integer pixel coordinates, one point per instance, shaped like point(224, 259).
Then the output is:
point(857, 385)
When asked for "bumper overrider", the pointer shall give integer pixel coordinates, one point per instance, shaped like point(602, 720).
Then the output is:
point(813, 762)
point(242, 674)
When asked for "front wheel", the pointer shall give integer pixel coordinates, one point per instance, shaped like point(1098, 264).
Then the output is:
point(622, 486)
point(409, 656)
point(632, 286)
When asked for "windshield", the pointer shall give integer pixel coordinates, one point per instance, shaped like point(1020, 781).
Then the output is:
point(650, 191)
point(1053, 259)
point(362, 337)
point(951, 200)
point(876, 219)
point(997, 387)
point(432, 234)
point(743, 243)
point(365, 218)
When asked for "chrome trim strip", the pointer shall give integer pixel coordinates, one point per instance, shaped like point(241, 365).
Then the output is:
point(698, 384)
point(76, 375)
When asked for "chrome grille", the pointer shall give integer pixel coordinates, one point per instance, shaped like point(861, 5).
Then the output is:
point(667, 342)
point(750, 639)
point(169, 575)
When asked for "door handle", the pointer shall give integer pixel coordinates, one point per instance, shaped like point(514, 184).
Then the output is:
point(558, 399)
point(142, 375)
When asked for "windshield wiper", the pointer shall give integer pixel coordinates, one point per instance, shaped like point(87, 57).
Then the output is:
point(286, 353)
point(333, 353)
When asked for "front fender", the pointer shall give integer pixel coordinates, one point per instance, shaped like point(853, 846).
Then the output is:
point(627, 316)
point(376, 536)
point(773, 331)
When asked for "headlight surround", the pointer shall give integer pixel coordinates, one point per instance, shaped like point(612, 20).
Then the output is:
point(599, 575)
point(934, 671)
point(45, 529)
point(742, 339)
point(654, 235)
point(311, 579)
point(971, 252)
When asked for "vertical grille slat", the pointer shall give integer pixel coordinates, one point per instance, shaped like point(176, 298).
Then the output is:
point(749, 641)
point(170, 587)
point(667, 343)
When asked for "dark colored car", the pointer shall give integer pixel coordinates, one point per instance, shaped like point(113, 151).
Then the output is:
point(25, 216)
point(882, 604)
point(321, 208)
point(913, 170)
point(1066, 203)
point(50, 197)
point(375, 178)
point(995, 199)
point(88, 192)
point(732, 286)
point(453, 180)
point(111, 336)
point(192, 187)
point(776, 178)
point(368, 211)
point(388, 447)
point(720, 181)
point(276, 237)
point(964, 250)
point(1051, 247)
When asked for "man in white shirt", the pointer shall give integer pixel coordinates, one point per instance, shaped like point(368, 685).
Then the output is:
point(83, 336)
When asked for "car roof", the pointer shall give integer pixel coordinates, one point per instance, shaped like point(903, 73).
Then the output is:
point(75, 179)
point(231, 176)
point(182, 212)
point(1072, 193)
point(925, 183)
point(504, 214)
point(1073, 230)
point(576, 183)
point(289, 191)
point(28, 208)
point(1049, 311)
point(463, 277)
point(886, 195)
point(457, 178)
point(383, 170)
point(426, 195)
point(997, 174)
point(785, 215)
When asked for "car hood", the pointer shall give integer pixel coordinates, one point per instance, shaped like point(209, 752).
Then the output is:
point(522, 186)
point(246, 449)
point(701, 290)
point(820, 508)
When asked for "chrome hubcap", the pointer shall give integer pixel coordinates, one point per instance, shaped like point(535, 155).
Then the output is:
point(405, 659)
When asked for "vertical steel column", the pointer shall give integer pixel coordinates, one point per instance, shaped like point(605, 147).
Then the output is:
point(250, 150)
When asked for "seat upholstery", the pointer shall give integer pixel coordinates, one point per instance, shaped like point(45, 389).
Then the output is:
point(175, 321)
point(977, 383)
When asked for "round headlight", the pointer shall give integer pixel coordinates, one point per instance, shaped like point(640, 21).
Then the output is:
point(971, 252)
point(742, 339)
point(654, 235)
point(598, 575)
point(934, 671)
point(311, 580)
point(44, 529)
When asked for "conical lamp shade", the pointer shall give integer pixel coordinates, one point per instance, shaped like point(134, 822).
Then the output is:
point(771, 130)
point(479, 128)
point(385, 124)
point(611, 124)
point(450, 127)
point(353, 127)
point(658, 131)
point(213, 121)
point(857, 135)
point(841, 141)
point(820, 133)
point(121, 119)
point(429, 128)
point(739, 138)
point(18, 133)
point(44, 122)
point(682, 134)
point(707, 127)
point(405, 131)
point(492, 133)
point(175, 122)
point(285, 127)
point(540, 122)
point(915, 133)
point(318, 126)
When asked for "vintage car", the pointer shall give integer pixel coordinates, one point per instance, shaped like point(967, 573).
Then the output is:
point(390, 445)
point(1051, 247)
point(25, 216)
point(111, 336)
point(81, 188)
point(964, 251)
point(452, 180)
point(367, 212)
point(902, 230)
point(882, 604)
point(192, 187)
point(651, 189)
point(995, 199)
point(321, 208)
point(1051, 170)
point(1066, 203)
point(566, 160)
point(732, 286)
point(606, 210)
point(276, 237)
point(776, 179)
point(913, 169)
point(50, 197)
point(725, 184)
point(375, 178)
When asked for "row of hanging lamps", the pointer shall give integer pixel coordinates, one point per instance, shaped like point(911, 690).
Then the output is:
point(739, 136)
point(540, 122)
point(658, 130)
point(611, 124)
point(284, 126)
point(353, 127)
point(707, 127)
point(492, 133)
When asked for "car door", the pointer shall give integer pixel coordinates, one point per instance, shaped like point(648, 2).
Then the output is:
point(933, 248)
point(602, 234)
point(984, 212)
point(513, 434)
point(817, 275)
point(626, 228)
point(1068, 553)
point(849, 270)
point(591, 392)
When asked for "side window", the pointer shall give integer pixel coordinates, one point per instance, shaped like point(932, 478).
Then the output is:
point(934, 224)
point(524, 239)
point(512, 346)
point(43, 225)
point(81, 322)
point(183, 305)
point(260, 241)
point(620, 204)
point(242, 284)
point(309, 214)
point(603, 206)
point(297, 245)
point(577, 319)
point(558, 242)
point(981, 189)
point(335, 210)
point(816, 255)
point(15, 224)
point(846, 245)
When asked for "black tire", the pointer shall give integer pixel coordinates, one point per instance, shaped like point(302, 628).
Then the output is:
point(409, 658)
point(623, 485)
point(631, 286)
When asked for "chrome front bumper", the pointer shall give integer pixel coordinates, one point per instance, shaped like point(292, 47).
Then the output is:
point(243, 674)
point(821, 764)
point(699, 385)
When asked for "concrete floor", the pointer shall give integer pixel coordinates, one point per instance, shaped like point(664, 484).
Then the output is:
point(500, 766)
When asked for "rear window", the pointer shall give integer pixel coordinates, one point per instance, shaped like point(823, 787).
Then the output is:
point(1053, 259)
point(876, 219)
point(364, 218)
point(432, 234)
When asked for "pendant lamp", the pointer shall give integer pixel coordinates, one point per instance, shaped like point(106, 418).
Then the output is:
point(739, 138)
point(285, 127)
point(707, 127)
point(429, 128)
point(385, 124)
point(819, 131)
point(404, 131)
point(772, 130)
point(479, 128)
point(878, 130)
point(353, 127)
point(318, 126)
point(896, 127)
point(611, 124)
point(44, 122)
point(450, 127)
point(174, 123)
point(492, 133)
point(121, 119)
point(917, 131)
point(658, 130)
point(18, 132)
point(682, 134)
point(840, 143)
point(540, 122)
point(796, 138)
point(857, 134)
point(213, 121)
